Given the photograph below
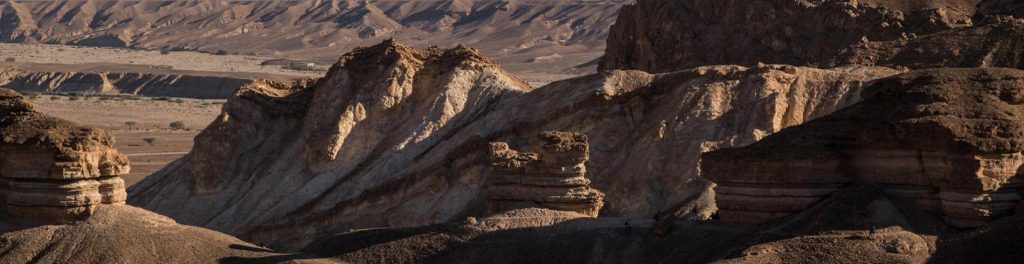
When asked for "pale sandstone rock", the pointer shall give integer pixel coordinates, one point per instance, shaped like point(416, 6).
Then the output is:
point(949, 139)
point(395, 136)
point(549, 173)
point(53, 170)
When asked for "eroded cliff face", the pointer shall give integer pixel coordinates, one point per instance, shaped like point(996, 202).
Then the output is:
point(395, 136)
point(947, 139)
point(668, 35)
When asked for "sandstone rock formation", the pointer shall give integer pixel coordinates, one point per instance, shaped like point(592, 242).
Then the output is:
point(52, 170)
point(549, 173)
point(395, 136)
point(948, 139)
point(668, 35)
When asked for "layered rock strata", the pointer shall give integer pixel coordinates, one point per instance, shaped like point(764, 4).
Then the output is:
point(948, 139)
point(53, 170)
point(668, 35)
point(395, 136)
point(550, 175)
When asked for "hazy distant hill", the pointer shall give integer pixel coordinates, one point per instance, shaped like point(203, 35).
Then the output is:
point(568, 32)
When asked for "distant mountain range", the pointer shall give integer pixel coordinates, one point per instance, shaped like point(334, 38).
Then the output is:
point(514, 31)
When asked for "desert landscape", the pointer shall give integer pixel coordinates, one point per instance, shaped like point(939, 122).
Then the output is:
point(523, 131)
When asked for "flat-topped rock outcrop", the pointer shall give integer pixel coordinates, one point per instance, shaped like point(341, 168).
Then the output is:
point(396, 136)
point(548, 171)
point(948, 139)
point(52, 170)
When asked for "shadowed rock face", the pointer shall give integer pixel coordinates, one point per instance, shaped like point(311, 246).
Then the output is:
point(549, 173)
point(395, 136)
point(995, 42)
point(52, 170)
point(949, 139)
point(667, 35)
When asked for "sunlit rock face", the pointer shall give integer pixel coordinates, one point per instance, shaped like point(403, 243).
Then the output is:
point(548, 172)
point(52, 170)
point(948, 139)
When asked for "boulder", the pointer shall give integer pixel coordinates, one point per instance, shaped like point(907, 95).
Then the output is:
point(949, 139)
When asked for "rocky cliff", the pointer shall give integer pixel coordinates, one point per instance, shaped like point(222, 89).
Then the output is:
point(947, 139)
point(668, 35)
point(395, 136)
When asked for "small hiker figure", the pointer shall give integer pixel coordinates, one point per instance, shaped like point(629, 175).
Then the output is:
point(872, 230)
point(628, 228)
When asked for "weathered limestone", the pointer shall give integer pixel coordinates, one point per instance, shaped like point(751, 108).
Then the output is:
point(52, 170)
point(948, 139)
point(551, 175)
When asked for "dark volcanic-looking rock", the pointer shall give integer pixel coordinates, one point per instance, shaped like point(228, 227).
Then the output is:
point(1001, 7)
point(996, 43)
point(667, 35)
point(949, 139)
point(395, 136)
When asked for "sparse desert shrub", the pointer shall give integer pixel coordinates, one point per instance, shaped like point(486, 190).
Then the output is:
point(150, 140)
point(221, 52)
point(179, 100)
point(10, 59)
point(165, 51)
point(131, 125)
point(177, 125)
point(162, 98)
point(74, 98)
point(55, 97)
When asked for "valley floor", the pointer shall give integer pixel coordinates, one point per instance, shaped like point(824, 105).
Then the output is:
point(152, 118)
